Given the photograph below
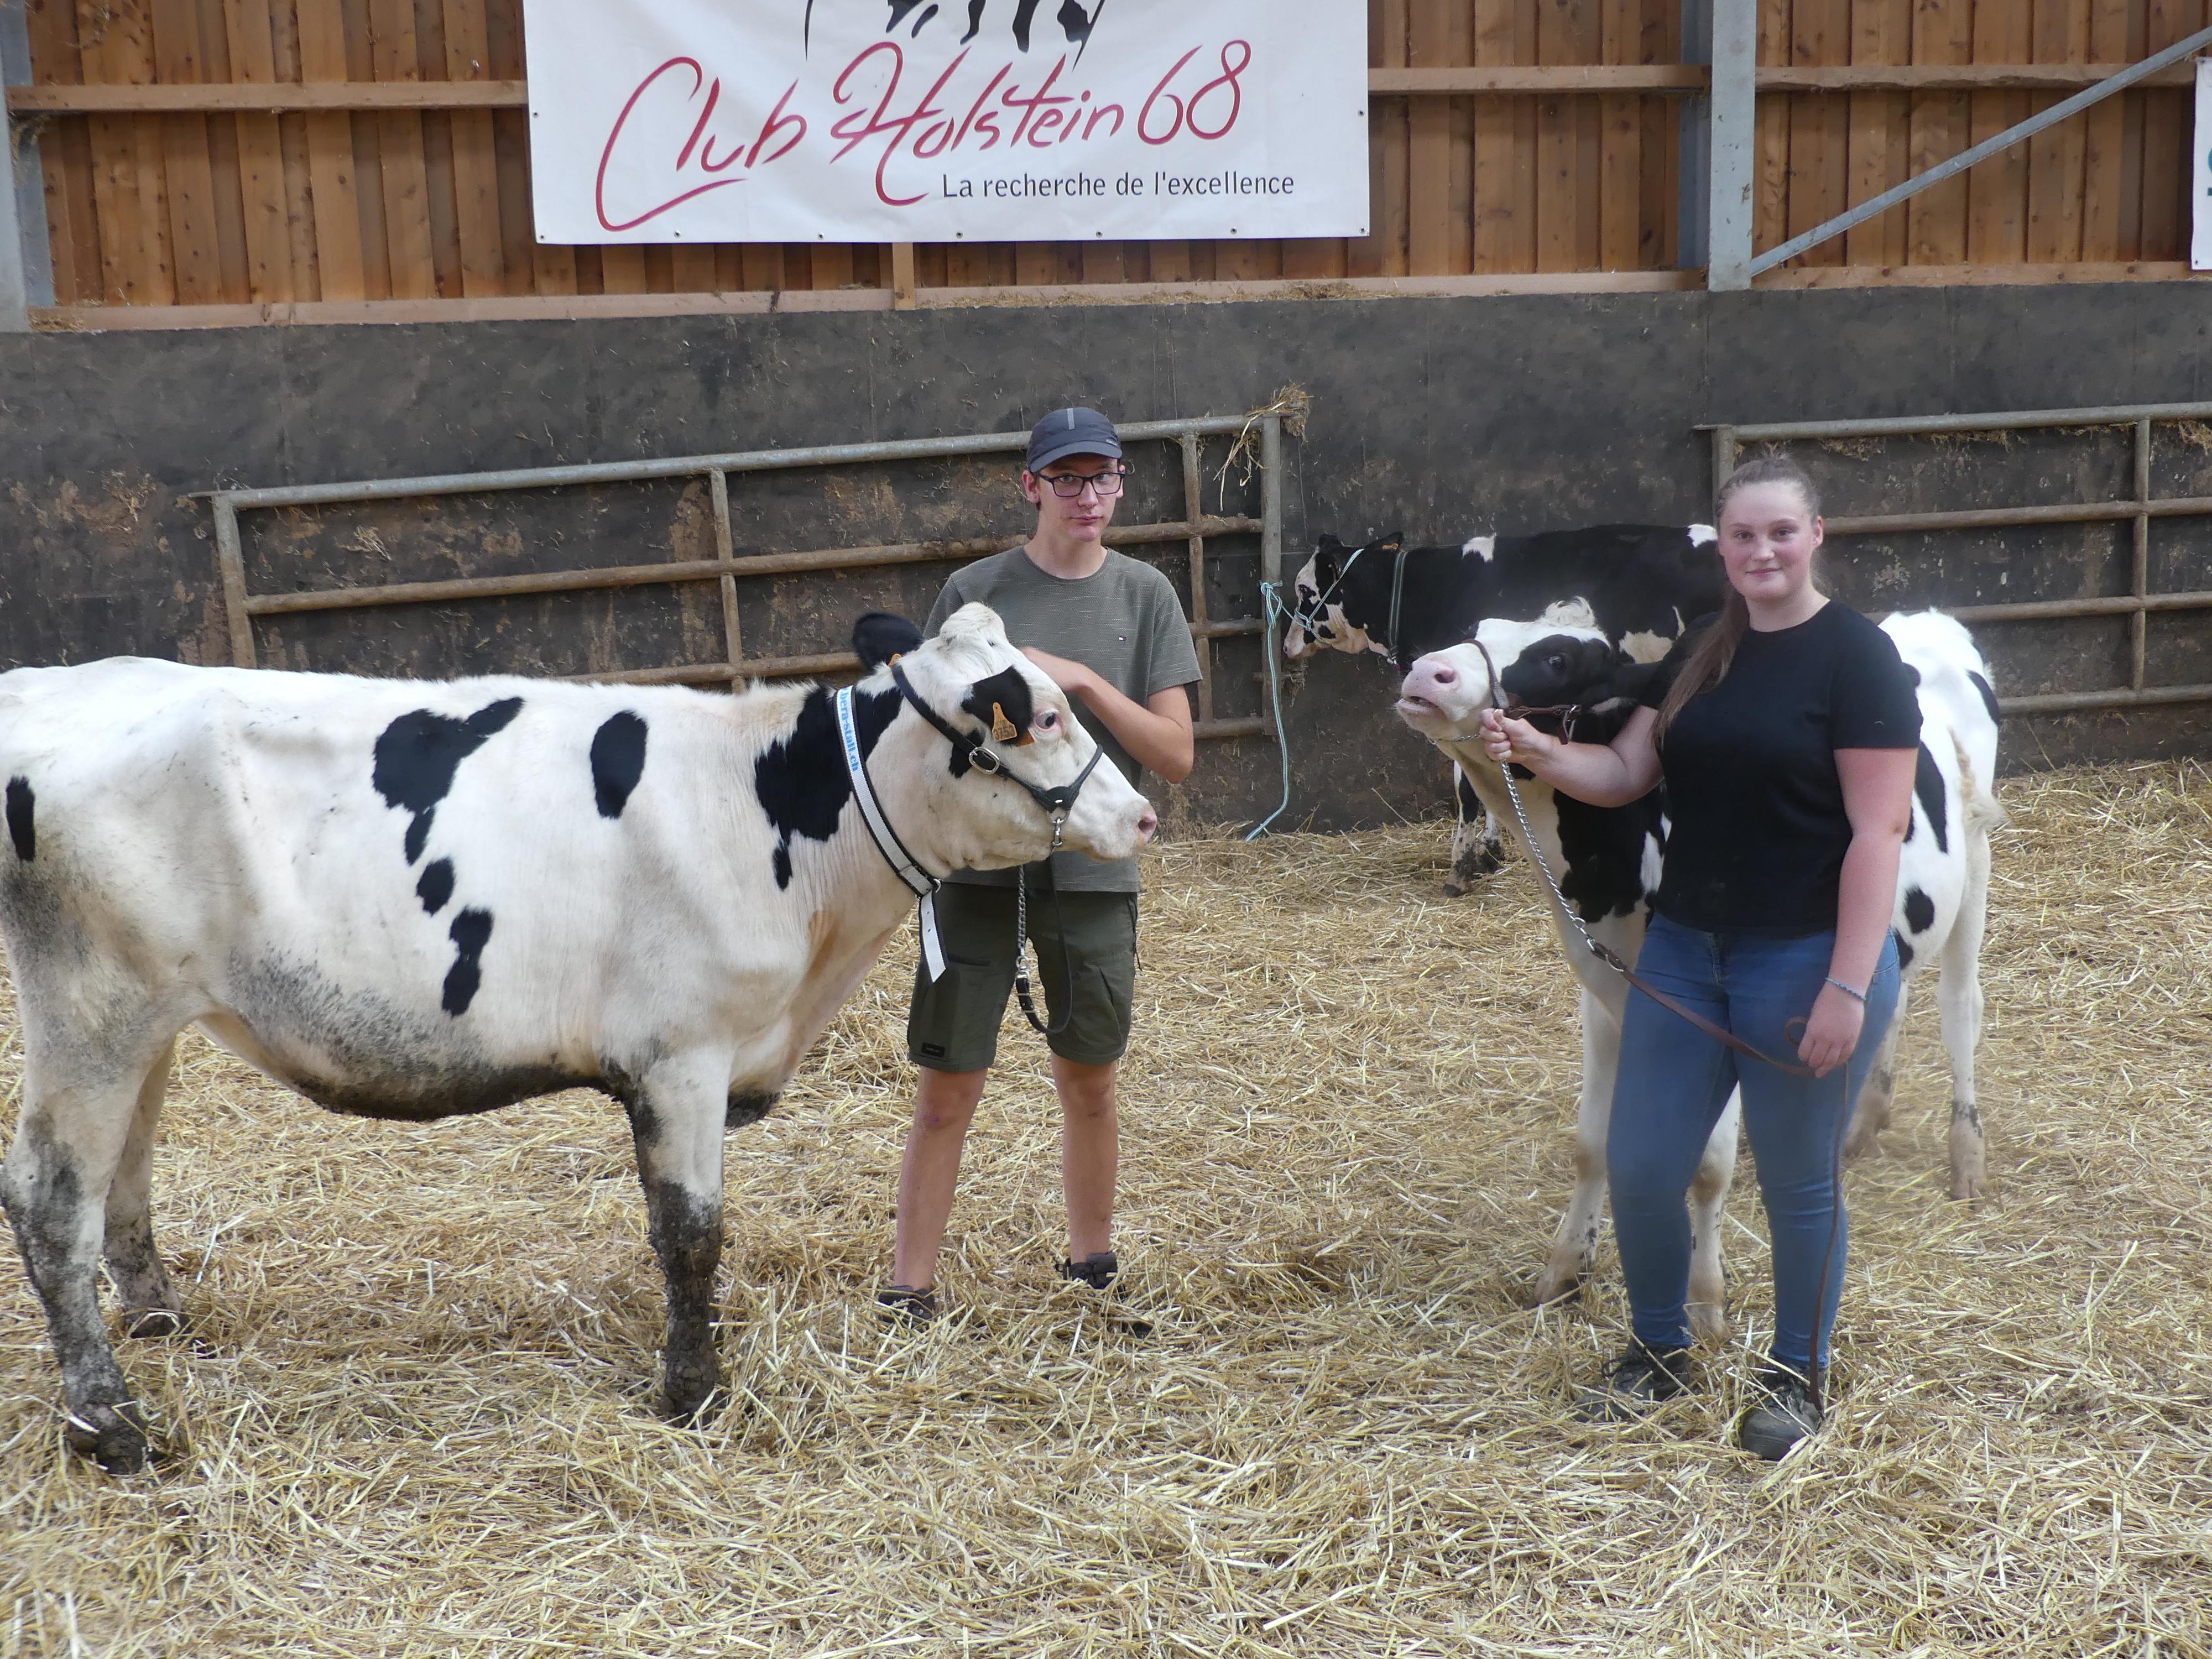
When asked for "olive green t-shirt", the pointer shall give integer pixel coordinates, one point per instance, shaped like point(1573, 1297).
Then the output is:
point(1123, 622)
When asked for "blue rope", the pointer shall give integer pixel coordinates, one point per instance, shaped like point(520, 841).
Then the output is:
point(1272, 603)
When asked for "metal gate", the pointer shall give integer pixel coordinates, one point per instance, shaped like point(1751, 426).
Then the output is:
point(2117, 445)
point(1220, 610)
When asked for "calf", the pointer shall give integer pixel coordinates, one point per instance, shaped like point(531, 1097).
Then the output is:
point(1633, 583)
point(412, 900)
point(1607, 861)
point(1942, 888)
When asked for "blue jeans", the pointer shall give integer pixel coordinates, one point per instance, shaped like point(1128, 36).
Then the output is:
point(1672, 1084)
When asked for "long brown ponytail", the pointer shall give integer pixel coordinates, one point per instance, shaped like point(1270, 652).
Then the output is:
point(1711, 657)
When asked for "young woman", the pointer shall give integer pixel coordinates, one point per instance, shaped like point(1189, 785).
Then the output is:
point(1786, 734)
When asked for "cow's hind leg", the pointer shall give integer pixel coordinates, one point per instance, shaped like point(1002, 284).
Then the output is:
point(1709, 1191)
point(55, 1185)
point(1870, 1115)
point(1959, 999)
point(1574, 1245)
point(151, 1306)
point(676, 1120)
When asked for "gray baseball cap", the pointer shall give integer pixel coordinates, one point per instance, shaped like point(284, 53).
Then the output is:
point(1071, 432)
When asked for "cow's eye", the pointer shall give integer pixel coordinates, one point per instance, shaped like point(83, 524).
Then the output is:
point(1048, 719)
point(1556, 663)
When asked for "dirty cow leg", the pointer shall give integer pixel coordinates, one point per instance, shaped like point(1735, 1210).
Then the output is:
point(55, 1186)
point(1709, 1191)
point(1475, 852)
point(1870, 1117)
point(1959, 999)
point(1575, 1244)
point(151, 1306)
point(676, 1121)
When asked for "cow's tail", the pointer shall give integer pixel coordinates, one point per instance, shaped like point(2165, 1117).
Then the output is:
point(1977, 802)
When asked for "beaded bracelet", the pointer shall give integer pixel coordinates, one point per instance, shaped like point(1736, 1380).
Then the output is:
point(1859, 996)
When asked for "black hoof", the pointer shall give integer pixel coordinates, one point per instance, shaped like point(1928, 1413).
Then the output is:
point(114, 1437)
point(1571, 1294)
point(692, 1393)
point(154, 1322)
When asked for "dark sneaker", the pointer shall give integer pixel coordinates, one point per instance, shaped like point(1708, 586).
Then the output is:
point(1640, 1379)
point(902, 1304)
point(1789, 1411)
point(1098, 1271)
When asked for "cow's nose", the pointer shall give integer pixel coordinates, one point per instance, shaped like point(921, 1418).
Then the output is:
point(1442, 674)
point(1148, 826)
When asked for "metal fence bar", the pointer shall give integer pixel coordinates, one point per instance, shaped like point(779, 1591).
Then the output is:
point(1965, 159)
point(1906, 426)
point(687, 570)
point(1732, 150)
point(231, 563)
point(2001, 518)
point(1271, 500)
point(718, 486)
point(756, 460)
point(1193, 507)
point(2139, 569)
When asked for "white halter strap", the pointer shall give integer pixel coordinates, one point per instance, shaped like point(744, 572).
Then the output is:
point(904, 864)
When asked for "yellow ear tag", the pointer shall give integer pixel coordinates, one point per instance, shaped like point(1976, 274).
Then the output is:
point(1002, 729)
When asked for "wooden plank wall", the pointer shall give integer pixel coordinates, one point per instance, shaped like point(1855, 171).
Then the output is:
point(2107, 187)
point(227, 207)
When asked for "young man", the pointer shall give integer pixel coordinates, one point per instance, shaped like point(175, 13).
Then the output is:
point(1112, 635)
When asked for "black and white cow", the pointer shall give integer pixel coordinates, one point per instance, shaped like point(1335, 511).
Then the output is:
point(1634, 583)
point(412, 901)
point(1608, 861)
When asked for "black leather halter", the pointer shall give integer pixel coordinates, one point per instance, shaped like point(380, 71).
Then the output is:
point(1057, 802)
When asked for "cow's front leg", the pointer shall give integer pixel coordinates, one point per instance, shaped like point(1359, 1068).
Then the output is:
point(1958, 997)
point(55, 1188)
point(1575, 1244)
point(1475, 850)
point(676, 1120)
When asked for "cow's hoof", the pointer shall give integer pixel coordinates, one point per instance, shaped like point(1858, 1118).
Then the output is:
point(1709, 1321)
point(693, 1392)
point(114, 1437)
point(1968, 1189)
point(1557, 1292)
point(1454, 887)
point(154, 1322)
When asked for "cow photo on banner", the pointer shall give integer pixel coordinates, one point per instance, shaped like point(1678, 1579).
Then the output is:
point(944, 120)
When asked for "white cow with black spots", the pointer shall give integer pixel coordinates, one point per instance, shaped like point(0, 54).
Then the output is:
point(1609, 859)
point(412, 900)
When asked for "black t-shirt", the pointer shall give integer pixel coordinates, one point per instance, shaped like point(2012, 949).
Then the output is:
point(1758, 828)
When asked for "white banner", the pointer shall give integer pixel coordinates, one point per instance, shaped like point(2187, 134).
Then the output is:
point(2200, 173)
point(945, 120)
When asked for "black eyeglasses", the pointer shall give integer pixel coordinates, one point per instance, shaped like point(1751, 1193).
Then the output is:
point(1069, 485)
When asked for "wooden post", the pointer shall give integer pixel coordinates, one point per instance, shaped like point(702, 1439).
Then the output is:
point(1732, 160)
point(901, 275)
point(1694, 127)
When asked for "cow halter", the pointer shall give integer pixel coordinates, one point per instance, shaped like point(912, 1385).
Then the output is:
point(907, 867)
point(1058, 802)
point(1397, 598)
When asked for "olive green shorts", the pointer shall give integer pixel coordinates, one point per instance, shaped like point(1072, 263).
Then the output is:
point(953, 1026)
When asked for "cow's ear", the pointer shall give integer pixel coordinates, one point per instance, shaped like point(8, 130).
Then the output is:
point(1389, 543)
point(879, 636)
point(1328, 544)
point(1629, 681)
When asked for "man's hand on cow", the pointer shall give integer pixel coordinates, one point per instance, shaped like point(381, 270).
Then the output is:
point(1831, 1030)
point(1069, 675)
point(1518, 741)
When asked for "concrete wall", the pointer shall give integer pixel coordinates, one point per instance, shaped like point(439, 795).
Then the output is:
point(1443, 417)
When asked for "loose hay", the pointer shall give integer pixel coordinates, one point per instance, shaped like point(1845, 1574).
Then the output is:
point(414, 1417)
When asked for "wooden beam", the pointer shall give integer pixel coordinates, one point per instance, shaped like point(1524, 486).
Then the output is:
point(1957, 77)
point(282, 98)
point(1546, 81)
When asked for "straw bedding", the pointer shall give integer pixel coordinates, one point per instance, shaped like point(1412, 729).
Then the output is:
point(414, 1419)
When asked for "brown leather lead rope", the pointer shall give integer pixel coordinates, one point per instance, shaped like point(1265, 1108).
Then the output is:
point(1514, 709)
